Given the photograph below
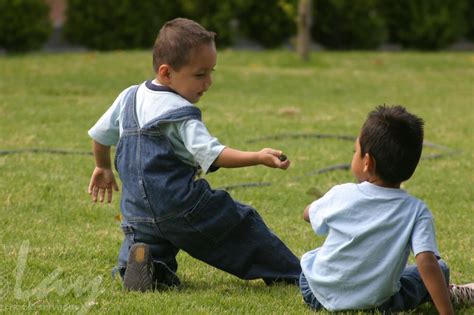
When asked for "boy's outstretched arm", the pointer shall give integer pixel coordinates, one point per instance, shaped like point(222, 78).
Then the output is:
point(234, 158)
point(434, 281)
point(103, 178)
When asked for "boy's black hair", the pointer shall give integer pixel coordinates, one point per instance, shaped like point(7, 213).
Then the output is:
point(394, 138)
point(176, 40)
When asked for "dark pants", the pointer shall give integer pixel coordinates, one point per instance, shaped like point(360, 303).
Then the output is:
point(246, 248)
point(412, 291)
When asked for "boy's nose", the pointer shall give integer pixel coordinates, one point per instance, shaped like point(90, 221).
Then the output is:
point(208, 83)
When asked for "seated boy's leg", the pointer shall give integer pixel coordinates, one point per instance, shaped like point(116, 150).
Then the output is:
point(308, 296)
point(275, 262)
point(412, 291)
point(272, 260)
point(233, 237)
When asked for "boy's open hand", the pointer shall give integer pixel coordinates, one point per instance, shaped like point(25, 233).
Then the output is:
point(102, 180)
point(274, 158)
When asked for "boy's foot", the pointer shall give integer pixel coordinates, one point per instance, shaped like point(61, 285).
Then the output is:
point(462, 295)
point(164, 277)
point(139, 274)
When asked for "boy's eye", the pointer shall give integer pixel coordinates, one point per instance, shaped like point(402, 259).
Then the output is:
point(201, 75)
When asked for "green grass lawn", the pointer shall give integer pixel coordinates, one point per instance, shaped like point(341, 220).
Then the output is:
point(58, 248)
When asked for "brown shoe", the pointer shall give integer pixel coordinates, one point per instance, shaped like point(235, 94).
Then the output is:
point(139, 273)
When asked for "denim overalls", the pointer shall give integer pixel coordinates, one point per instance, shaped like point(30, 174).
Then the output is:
point(166, 207)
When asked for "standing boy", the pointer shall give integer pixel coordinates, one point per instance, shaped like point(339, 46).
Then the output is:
point(165, 208)
point(372, 226)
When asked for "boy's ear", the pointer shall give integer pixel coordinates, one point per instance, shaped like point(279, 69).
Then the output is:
point(369, 163)
point(164, 73)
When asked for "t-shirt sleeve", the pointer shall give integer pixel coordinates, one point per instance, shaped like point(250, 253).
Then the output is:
point(423, 238)
point(199, 142)
point(318, 212)
point(106, 131)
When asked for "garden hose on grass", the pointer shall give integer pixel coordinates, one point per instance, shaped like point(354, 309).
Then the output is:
point(50, 151)
point(446, 152)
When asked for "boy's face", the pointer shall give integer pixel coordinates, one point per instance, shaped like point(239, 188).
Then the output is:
point(194, 78)
point(358, 165)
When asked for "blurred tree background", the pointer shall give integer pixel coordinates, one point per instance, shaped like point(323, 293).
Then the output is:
point(337, 24)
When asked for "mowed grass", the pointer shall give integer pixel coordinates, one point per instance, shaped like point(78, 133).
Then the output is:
point(58, 248)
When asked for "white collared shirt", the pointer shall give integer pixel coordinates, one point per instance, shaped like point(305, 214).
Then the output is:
point(190, 139)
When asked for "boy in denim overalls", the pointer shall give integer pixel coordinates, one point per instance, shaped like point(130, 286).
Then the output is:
point(161, 140)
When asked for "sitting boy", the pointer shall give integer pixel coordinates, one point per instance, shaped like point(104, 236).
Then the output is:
point(372, 226)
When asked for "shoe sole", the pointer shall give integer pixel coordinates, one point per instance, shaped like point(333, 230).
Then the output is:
point(138, 275)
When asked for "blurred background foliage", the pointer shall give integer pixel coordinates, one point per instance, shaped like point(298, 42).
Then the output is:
point(24, 24)
point(337, 24)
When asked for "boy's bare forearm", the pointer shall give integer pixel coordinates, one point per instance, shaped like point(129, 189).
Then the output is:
point(235, 158)
point(231, 158)
point(434, 281)
point(102, 155)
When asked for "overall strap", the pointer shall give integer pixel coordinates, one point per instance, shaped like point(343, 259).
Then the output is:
point(182, 113)
point(130, 120)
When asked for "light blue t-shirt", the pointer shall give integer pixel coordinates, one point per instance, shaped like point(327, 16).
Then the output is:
point(189, 139)
point(370, 232)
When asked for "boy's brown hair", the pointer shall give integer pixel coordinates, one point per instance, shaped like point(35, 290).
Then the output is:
point(176, 40)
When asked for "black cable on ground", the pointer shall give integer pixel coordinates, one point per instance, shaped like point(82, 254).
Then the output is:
point(302, 135)
point(50, 151)
point(447, 152)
